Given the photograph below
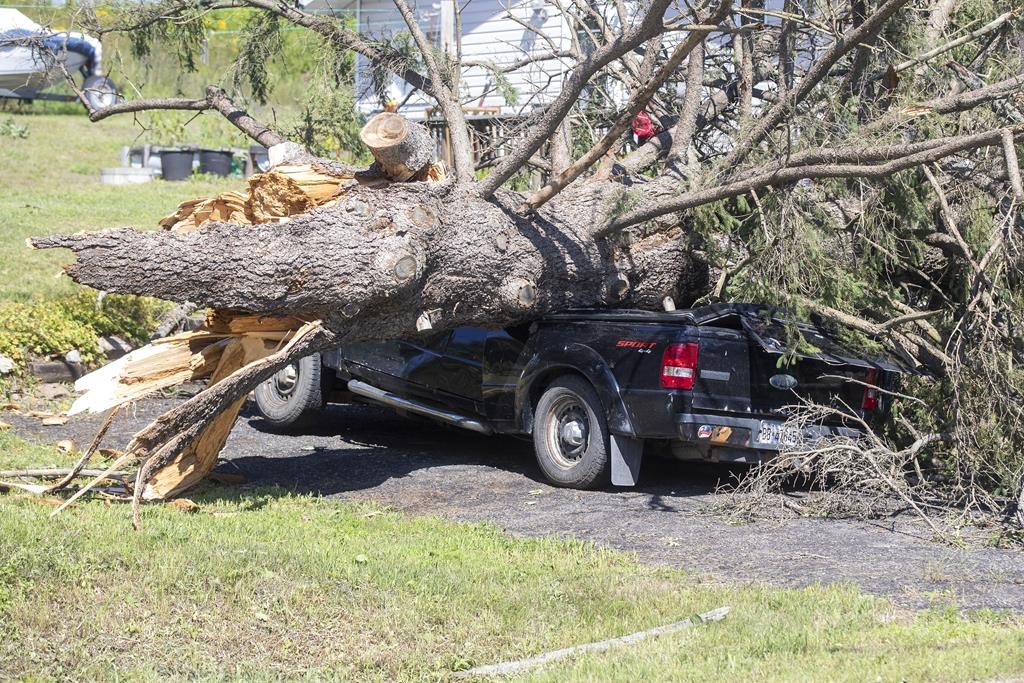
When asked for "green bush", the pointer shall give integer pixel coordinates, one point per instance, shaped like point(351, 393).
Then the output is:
point(56, 326)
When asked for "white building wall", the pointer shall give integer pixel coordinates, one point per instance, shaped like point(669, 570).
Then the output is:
point(488, 35)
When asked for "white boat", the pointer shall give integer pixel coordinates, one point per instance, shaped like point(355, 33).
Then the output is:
point(33, 58)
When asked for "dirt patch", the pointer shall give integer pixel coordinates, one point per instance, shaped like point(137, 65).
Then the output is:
point(360, 452)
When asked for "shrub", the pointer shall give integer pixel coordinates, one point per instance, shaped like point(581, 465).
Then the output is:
point(56, 326)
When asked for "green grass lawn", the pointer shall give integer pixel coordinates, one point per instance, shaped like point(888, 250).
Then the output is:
point(51, 183)
point(263, 584)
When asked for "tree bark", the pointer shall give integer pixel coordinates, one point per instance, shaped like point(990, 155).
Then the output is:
point(561, 148)
point(381, 259)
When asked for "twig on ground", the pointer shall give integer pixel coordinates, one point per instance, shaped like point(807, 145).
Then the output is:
point(50, 472)
point(78, 470)
point(506, 668)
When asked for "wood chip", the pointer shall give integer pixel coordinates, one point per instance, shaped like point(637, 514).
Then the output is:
point(183, 505)
point(54, 421)
point(4, 425)
point(65, 446)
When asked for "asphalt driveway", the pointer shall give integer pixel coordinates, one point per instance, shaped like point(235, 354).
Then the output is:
point(363, 452)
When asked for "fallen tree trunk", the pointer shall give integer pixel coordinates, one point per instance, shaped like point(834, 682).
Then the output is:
point(391, 261)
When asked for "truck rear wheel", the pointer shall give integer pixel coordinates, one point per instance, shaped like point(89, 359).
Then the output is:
point(570, 435)
point(293, 396)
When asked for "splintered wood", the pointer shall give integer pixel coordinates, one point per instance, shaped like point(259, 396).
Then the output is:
point(254, 339)
point(225, 344)
point(271, 196)
point(274, 196)
point(200, 457)
point(173, 360)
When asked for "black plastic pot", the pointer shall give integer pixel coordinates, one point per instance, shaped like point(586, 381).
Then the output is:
point(215, 161)
point(176, 164)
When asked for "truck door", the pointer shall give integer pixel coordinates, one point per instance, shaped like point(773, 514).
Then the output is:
point(461, 367)
point(396, 365)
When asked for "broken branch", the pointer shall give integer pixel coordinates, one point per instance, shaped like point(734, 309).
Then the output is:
point(216, 99)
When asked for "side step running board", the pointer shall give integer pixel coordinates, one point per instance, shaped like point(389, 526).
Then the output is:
point(387, 398)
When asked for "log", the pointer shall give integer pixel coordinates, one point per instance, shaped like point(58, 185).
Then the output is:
point(380, 259)
point(402, 148)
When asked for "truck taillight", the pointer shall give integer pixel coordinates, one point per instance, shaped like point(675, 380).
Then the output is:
point(870, 401)
point(679, 366)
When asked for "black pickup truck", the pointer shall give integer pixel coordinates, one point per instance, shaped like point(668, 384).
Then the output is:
point(593, 388)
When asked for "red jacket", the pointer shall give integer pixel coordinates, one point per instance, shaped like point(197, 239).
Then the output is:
point(643, 127)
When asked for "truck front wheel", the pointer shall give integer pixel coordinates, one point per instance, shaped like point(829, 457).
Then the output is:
point(293, 395)
point(570, 435)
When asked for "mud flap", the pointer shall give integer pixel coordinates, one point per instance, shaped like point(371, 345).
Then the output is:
point(627, 453)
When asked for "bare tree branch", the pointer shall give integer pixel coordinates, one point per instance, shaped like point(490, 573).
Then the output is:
point(621, 125)
point(951, 104)
point(216, 99)
point(786, 105)
point(674, 142)
point(787, 47)
point(458, 131)
point(946, 213)
point(966, 38)
point(788, 174)
point(519, 63)
point(542, 129)
point(148, 104)
point(1012, 165)
point(743, 45)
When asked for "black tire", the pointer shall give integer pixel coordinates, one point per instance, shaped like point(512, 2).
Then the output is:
point(570, 435)
point(293, 397)
point(100, 92)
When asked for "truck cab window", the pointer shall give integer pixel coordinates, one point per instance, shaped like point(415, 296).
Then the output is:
point(467, 343)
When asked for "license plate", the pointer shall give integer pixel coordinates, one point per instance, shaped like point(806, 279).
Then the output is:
point(774, 433)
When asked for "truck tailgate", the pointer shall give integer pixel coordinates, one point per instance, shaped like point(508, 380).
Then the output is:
point(723, 376)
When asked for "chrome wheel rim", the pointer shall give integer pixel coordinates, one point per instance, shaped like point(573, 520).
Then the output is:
point(568, 431)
